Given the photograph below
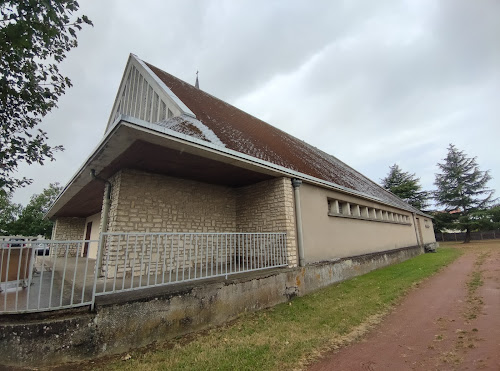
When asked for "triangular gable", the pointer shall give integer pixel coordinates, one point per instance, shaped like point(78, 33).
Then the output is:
point(144, 96)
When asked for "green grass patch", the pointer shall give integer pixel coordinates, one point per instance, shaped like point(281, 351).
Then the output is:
point(282, 337)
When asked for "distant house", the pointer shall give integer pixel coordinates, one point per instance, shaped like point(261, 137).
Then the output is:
point(177, 159)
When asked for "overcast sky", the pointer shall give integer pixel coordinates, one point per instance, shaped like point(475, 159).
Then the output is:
point(372, 82)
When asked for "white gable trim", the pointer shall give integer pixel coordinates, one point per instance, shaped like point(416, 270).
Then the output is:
point(143, 95)
point(185, 109)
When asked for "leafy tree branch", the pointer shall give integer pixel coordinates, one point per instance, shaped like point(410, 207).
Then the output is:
point(34, 38)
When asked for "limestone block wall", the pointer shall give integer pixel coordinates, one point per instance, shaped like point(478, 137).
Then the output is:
point(269, 207)
point(145, 202)
point(65, 229)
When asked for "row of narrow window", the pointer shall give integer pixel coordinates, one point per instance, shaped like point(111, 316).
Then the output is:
point(337, 207)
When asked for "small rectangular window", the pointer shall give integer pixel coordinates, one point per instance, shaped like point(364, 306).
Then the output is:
point(356, 211)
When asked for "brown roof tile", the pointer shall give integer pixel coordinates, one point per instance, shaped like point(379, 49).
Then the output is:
point(244, 133)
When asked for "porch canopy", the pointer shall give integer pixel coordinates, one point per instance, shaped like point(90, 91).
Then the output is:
point(139, 145)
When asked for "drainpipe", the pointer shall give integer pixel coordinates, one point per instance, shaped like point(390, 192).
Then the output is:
point(416, 229)
point(298, 218)
point(105, 214)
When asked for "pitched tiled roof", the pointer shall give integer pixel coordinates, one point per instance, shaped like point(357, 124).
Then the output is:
point(239, 131)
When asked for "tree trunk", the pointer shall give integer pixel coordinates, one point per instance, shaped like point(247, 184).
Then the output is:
point(467, 235)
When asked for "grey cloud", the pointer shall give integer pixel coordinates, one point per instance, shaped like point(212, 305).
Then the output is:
point(373, 83)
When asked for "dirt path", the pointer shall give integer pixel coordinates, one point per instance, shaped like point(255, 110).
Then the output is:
point(451, 322)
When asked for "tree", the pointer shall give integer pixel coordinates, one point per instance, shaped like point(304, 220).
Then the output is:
point(31, 221)
point(442, 221)
point(34, 38)
point(9, 213)
point(406, 186)
point(486, 220)
point(462, 186)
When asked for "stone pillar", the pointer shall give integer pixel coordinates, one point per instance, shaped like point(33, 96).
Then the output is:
point(347, 208)
point(334, 207)
point(357, 211)
point(366, 212)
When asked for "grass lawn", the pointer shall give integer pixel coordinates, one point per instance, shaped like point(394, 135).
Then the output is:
point(289, 334)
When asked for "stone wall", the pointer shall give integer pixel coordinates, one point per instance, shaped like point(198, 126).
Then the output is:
point(66, 229)
point(269, 207)
point(145, 202)
point(151, 203)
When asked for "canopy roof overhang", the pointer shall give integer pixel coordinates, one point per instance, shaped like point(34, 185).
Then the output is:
point(136, 144)
point(132, 146)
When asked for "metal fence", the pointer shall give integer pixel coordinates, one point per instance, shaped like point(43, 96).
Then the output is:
point(138, 260)
point(46, 275)
point(460, 236)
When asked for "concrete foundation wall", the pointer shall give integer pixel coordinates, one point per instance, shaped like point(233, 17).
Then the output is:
point(328, 237)
point(133, 319)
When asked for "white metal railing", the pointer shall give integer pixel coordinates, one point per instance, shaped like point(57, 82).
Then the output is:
point(138, 260)
point(45, 275)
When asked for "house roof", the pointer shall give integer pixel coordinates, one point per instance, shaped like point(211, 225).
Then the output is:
point(242, 132)
point(204, 139)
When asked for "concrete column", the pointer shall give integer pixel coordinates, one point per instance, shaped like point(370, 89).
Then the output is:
point(298, 216)
point(357, 211)
point(334, 206)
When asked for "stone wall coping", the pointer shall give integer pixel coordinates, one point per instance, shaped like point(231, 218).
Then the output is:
point(362, 256)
